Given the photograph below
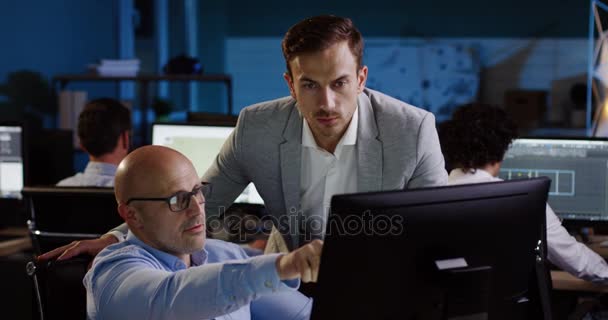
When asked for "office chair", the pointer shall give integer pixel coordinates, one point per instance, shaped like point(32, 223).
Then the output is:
point(60, 215)
point(58, 287)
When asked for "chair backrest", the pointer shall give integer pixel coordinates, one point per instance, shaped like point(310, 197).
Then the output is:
point(58, 286)
point(59, 215)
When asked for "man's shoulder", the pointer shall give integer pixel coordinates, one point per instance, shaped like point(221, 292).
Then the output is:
point(122, 250)
point(82, 180)
point(220, 250)
point(110, 260)
point(73, 181)
point(281, 107)
point(268, 119)
point(388, 108)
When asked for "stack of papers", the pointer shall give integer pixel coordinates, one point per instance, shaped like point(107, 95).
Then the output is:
point(118, 68)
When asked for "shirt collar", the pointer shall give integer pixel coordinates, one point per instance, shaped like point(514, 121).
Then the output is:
point(196, 259)
point(479, 173)
point(101, 168)
point(349, 137)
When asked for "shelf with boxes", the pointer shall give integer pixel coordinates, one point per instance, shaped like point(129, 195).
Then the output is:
point(143, 81)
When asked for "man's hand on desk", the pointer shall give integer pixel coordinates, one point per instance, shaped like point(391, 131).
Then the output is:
point(91, 247)
point(301, 263)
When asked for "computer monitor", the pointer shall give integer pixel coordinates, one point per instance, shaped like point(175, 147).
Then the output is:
point(50, 156)
point(465, 251)
point(201, 144)
point(11, 161)
point(578, 169)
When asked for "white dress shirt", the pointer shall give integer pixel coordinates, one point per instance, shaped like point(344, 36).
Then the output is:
point(564, 251)
point(324, 174)
point(96, 174)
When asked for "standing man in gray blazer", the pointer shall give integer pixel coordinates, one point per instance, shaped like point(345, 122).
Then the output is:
point(330, 136)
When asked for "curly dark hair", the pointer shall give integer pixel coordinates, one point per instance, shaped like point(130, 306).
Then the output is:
point(477, 135)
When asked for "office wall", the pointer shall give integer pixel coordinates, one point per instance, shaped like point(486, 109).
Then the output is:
point(428, 18)
point(59, 36)
point(497, 25)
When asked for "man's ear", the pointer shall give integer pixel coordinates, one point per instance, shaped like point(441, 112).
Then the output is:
point(361, 79)
point(130, 215)
point(289, 81)
point(125, 137)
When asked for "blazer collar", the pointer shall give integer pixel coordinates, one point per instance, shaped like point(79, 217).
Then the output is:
point(291, 158)
point(369, 148)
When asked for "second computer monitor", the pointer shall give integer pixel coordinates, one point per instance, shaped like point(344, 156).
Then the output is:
point(11, 161)
point(578, 169)
point(201, 144)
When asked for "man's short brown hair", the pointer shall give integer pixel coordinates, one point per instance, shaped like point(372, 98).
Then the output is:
point(101, 123)
point(319, 33)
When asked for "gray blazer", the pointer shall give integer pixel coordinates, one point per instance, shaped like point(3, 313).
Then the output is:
point(397, 147)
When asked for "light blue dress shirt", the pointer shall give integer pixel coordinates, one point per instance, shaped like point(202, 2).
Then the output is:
point(96, 174)
point(131, 280)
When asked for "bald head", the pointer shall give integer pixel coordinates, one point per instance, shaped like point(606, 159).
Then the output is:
point(150, 176)
point(150, 171)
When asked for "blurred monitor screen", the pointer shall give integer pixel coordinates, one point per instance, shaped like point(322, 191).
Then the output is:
point(201, 144)
point(11, 161)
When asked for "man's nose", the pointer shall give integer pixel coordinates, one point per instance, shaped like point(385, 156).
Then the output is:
point(196, 206)
point(327, 99)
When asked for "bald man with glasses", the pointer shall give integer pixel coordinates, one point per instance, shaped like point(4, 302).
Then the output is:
point(167, 269)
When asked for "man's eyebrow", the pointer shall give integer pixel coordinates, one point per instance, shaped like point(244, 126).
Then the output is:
point(342, 77)
point(304, 78)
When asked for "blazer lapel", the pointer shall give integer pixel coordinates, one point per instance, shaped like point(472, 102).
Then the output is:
point(369, 149)
point(291, 158)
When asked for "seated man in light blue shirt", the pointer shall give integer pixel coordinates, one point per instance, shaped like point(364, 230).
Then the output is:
point(167, 269)
point(104, 127)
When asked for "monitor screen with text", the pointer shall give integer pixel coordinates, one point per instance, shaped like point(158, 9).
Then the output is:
point(11, 161)
point(578, 169)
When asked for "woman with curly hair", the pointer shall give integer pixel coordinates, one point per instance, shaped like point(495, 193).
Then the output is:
point(474, 143)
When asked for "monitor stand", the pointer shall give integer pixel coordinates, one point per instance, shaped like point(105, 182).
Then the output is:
point(467, 293)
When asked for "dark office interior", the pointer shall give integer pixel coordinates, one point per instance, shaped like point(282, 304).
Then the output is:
point(541, 61)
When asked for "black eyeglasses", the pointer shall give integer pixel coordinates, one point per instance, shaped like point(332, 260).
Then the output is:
point(180, 200)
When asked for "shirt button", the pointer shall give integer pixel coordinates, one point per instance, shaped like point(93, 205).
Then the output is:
point(268, 284)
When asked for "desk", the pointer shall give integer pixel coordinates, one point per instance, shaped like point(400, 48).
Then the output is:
point(21, 241)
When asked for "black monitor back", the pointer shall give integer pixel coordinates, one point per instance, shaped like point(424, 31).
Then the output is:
point(59, 215)
point(381, 252)
point(50, 156)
